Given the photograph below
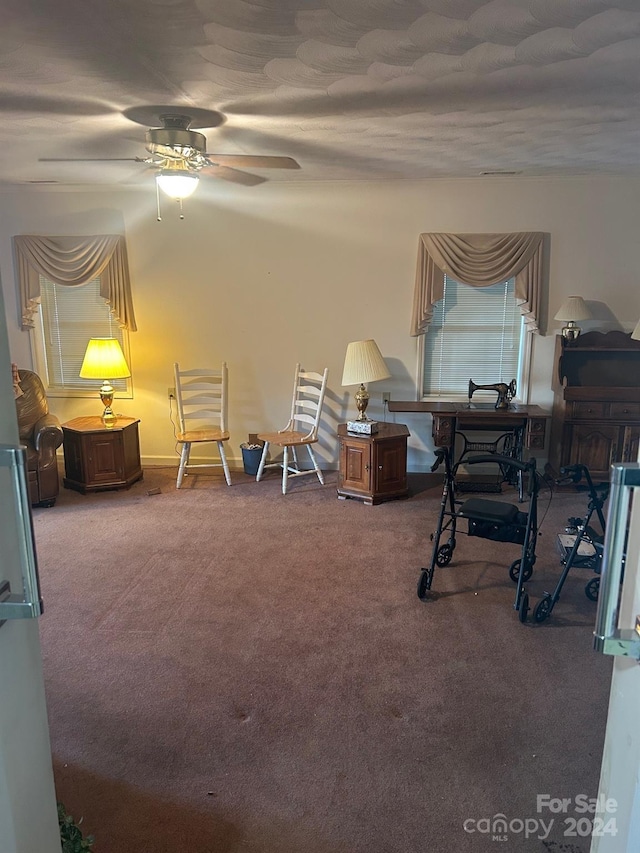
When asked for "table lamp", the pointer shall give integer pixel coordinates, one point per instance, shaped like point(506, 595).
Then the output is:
point(105, 360)
point(572, 309)
point(363, 363)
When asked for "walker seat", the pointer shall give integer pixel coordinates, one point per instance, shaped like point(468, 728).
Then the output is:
point(495, 520)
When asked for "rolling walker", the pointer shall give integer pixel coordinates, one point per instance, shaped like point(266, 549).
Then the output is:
point(496, 520)
point(580, 545)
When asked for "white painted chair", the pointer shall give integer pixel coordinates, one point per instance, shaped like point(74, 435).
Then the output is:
point(302, 428)
point(201, 397)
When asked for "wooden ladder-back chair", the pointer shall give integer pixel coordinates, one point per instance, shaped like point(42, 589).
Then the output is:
point(302, 428)
point(201, 397)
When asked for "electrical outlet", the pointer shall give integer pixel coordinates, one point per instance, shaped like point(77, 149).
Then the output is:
point(386, 396)
point(171, 393)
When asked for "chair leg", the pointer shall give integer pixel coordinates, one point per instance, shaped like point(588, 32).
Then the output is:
point(285, 468)
point(296, 464)
point(315, 464)
point(223, 459)
point(263, 459)
point(184, 461)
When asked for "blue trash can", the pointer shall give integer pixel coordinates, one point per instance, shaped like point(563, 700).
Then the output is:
point(251, 456)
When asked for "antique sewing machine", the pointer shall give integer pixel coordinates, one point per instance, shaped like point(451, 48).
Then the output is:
point(505, 392)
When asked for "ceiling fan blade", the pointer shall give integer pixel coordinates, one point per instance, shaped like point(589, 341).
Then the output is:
point(257, 162)
point(91, 160)
point(232, 175)
point(332, 156)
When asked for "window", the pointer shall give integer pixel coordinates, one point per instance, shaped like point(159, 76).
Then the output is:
point(69, 316)
point(476, 333)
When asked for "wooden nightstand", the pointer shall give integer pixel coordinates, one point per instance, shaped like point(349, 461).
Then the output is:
point(98, 457)
point(373, 468)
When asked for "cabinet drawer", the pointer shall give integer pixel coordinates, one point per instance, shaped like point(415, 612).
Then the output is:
point(589, 410)
point(625, 410)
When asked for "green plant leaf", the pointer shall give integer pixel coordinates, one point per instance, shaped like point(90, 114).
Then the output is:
point(71, 837)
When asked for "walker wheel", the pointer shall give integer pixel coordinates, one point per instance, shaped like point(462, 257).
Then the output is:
point(514, 571)
point(424, 583)
point(444, 555)
point(542, 609)
point(523, 607)
point(592, 589)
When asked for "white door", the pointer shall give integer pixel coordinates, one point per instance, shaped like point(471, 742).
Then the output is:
point(28, 820)
point(619, 788)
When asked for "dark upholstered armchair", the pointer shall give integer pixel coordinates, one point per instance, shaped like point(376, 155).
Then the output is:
point(41, 433)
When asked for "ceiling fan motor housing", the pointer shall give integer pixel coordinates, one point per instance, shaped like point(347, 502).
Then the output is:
point(172, 142)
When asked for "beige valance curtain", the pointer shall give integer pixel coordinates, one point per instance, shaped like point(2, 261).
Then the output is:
point(478, 260)
point(73, 261)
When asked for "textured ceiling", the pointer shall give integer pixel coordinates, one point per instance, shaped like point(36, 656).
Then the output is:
point(353, 89)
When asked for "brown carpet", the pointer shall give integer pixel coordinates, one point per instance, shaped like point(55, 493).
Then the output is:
point(228, 669)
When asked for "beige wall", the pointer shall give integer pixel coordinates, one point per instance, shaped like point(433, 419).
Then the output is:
point(266, 276)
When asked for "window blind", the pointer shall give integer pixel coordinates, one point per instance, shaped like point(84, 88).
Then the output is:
point(476, 333)
point(70, 316)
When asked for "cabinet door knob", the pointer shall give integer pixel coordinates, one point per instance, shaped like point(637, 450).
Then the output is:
point(367, 467)
point(379, 467)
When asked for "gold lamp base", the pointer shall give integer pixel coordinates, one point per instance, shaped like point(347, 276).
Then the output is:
point(362, 401)
point(106, 395)
point(571, 332)
point(362, 424)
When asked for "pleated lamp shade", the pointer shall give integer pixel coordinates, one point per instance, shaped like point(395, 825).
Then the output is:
point(636, 332)
point(363, 363)
point(573, 308)
point(104, 359)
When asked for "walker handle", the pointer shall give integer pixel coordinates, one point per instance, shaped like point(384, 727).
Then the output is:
point(502, 460)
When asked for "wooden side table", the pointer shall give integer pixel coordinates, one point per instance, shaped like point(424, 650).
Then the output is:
point(98, 457)
point(373, 468)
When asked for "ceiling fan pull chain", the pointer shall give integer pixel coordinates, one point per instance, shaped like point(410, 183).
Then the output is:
point(181, 213)
point(158, 203)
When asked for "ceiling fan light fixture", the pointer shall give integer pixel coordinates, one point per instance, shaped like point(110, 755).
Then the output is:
point(177, 183)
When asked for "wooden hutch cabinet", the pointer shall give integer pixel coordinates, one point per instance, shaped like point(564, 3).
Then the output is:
point(373, 468)
point(596, 409)
point(97, 456)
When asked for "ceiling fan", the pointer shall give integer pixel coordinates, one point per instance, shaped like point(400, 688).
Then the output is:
point(178, 154)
